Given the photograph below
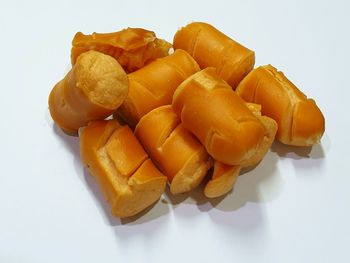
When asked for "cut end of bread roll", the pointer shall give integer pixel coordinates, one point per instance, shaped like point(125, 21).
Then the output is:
point(223, 179)
point(192, 173)
point(101, 78)
point(145, 187)
point(93, 89)
point(129, 180)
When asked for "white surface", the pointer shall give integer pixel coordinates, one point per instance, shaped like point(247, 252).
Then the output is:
point(288, 209)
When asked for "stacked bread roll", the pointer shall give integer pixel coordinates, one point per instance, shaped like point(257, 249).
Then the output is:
point(202, 110)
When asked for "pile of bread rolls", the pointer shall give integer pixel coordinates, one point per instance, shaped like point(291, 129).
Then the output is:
point(202, 110)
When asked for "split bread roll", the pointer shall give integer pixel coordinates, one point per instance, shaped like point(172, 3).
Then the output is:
point(153, 85)
point(211, 48)
point(131, 47)
point(93, 89)
point(177, 153)
point(218, 117)
point(300, 121)
point(129, 180)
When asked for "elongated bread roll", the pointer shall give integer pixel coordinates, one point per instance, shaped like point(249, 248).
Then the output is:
point(300, 121)
point(224, 176)
point(218, 117)
point(93, 89)
point(211, 48)
point(132, 47)
point(129, 180)
point(153, 85)
point(178, 154)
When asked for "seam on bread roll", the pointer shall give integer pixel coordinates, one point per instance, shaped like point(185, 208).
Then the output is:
point(175, 150)
point(148, 90)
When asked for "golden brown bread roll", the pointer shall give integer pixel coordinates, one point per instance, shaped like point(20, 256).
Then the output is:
point(177, 153)
point(223, 179)
point(131, 47)
point(153, 85)
point(129, 180)
point(93, 89)
point(218, 117)
point(300, 121)
point(224, 176)
point(211, 48)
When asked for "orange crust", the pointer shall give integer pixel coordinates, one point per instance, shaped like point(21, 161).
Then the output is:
point(223, 179)
point(132, 47)
point(127, 177)
point(178, 154)
point(154, 85)
point(218, 117)
point(211, 48)
point(93, 89)
point(300, 121)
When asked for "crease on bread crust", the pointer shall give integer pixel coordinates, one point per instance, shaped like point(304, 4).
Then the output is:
point(293, 98)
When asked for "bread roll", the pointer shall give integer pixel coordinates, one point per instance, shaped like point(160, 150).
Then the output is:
point(129, 180)
point(300, 121)
point(132, 47)
point(223, 179)
point(153, 85)
point(93, 89)
point(177, 153)
point(224, 176)
point(211, 48)
point(218, 117)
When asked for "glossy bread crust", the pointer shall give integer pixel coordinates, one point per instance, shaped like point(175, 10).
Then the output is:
point(154, 85)
point(115, 158)
point(211, 48)
point(300, 121)
point(93, 89)
point(133, 48)
point(178, 154)
point(218, 117)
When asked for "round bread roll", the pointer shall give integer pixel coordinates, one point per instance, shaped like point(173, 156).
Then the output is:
point(93, 89)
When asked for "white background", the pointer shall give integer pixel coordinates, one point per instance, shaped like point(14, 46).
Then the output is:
point(294, 207)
